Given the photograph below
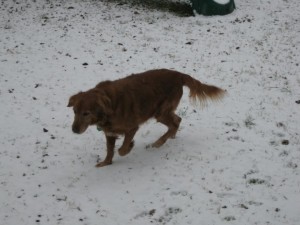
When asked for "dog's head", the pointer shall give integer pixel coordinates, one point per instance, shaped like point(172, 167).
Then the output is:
point(90, 108)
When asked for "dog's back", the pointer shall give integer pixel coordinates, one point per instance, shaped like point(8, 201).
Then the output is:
point(138, 97)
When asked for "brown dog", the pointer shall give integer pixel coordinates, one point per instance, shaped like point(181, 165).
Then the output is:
point(119, 107)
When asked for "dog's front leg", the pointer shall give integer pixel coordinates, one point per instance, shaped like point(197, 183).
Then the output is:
point(110, 145)
point(128, 142)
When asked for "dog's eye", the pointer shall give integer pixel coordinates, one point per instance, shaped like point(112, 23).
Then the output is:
point(86, 113)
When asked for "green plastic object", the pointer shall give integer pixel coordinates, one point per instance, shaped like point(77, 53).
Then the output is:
point(213, 7)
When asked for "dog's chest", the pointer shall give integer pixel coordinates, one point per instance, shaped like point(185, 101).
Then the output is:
point(109, 131)
point(111, 134)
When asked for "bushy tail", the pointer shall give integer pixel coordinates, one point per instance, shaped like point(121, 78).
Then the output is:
point(202, 92)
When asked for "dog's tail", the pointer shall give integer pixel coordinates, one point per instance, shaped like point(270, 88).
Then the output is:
point(202, 92)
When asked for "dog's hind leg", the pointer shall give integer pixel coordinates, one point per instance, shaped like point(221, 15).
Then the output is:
point(172, 121)
point(110, 144)
point(177, 121)
point(128, 143)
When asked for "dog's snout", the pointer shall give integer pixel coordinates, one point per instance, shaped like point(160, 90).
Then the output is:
point(75, 129)
point(79, 128)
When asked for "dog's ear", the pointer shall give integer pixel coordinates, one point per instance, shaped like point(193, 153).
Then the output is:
point(73, 99)
point(104, 104)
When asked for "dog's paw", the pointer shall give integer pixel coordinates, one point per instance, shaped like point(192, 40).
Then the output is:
point(157, 144)
point(101, 164)
point(124, 151)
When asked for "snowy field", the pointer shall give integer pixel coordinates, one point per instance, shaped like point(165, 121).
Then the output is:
point(234, 162)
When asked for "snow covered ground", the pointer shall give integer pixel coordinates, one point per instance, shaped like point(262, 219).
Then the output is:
point(234, 162)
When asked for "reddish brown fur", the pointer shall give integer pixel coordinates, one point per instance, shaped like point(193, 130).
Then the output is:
point(120, 106)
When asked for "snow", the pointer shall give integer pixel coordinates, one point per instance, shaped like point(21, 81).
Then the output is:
point(234, 162)
point(222, 1)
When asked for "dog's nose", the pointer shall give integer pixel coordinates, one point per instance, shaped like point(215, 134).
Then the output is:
point(75, 129)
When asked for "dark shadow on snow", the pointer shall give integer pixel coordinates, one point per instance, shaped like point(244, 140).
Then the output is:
point(182, 9)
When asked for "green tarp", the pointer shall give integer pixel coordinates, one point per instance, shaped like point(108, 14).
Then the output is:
point(213, 7)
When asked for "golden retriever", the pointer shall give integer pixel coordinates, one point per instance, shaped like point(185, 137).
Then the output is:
point(119, 107)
